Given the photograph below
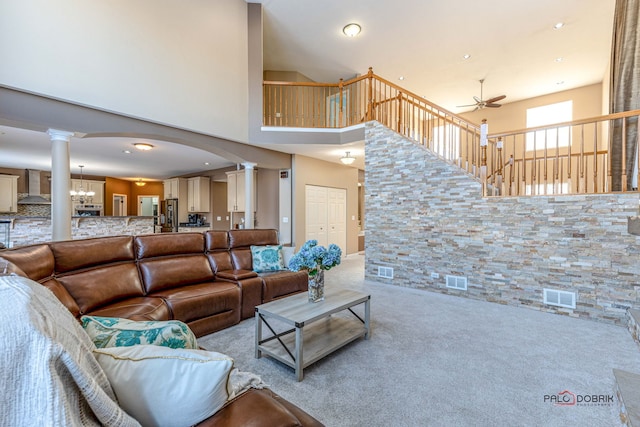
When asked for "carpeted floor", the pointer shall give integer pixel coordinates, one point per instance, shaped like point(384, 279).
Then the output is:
point(439, 360)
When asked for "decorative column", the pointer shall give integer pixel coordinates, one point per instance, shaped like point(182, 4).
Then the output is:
point(249, 197)
point(60, 184)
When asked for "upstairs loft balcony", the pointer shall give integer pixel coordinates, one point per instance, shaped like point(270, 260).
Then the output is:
point(574, 157)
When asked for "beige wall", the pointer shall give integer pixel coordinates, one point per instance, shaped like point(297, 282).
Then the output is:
point(153, 59)
point(587, 102)
point(317, 172)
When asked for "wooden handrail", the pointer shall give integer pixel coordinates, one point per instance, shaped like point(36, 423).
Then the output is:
point(583, 165)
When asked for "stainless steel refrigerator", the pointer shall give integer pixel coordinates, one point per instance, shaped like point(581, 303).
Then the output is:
point(169, 215)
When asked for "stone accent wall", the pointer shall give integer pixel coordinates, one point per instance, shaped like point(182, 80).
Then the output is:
point(27, 231)
point(426, 216)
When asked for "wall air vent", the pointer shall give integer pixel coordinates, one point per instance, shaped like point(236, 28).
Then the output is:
point(386, 272)
point(457, 282)
point(559, 298)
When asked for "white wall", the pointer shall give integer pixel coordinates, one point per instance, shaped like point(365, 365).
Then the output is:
point(182, 63)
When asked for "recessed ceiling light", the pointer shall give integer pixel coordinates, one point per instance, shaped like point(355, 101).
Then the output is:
point(558, 25)
point(351, 30)
point(126, 151)
point(207, 163)
point(401, 78)
point(143, 147)
point(466, 56)
point(559, 59)
point(560, 82)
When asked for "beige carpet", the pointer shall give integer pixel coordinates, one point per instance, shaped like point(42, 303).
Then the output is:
point(439, 360)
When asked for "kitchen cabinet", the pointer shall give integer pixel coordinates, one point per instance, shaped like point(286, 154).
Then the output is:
point(175, 188)
point(8, 193)
point(198, 194)
point(236, 191)
point(89, 185)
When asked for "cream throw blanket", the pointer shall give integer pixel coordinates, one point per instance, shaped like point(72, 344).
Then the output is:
point(48, 375)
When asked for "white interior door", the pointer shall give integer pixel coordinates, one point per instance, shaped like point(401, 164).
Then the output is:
point(326, 215)
point(337, 217)
point(316, 214)
point(119, 205)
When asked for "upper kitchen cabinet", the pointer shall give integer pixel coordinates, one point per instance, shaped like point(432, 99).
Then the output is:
point(89, 185)
point(175, 188)
point(236, 190)
point(198, 194)
point(8, 193)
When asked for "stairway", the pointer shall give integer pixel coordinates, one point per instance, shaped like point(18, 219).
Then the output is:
point(628, 383)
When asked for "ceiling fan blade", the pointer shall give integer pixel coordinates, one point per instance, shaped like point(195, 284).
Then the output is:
point(477, 99)
point(495, 99)
point(468, 105)
point(493, 105)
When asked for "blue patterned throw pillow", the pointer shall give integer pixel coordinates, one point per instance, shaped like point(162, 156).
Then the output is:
point(117, 332)
point(267, 258)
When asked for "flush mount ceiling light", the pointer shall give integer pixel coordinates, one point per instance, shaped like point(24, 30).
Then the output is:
point(466, 56)
point(351, 30)
point(143, 147)
point(558, 25)
point(140, 183)
point(347, 159)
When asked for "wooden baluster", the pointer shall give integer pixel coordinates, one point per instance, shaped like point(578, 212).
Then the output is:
point(399, 113)
point(370, 95)
point(595, 157)
point(340, 115)
point(499, 182)
point(545, 166)
point(582, 188)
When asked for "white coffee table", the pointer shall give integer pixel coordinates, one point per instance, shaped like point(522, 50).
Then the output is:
point(311, 330)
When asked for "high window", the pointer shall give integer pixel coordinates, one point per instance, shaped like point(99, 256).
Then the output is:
point(547, 115)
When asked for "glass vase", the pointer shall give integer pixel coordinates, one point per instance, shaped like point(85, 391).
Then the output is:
point(316, 287)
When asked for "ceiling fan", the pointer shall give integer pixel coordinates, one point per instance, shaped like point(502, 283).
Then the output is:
point(480, 103)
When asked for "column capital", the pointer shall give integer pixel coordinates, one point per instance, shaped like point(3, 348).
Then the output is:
point(59, 135)
point(249, 165)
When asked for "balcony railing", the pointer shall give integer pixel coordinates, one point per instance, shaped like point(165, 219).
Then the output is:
point(564, 158)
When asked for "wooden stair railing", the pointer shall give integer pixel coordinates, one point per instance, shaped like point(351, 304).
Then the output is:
point(540, 161)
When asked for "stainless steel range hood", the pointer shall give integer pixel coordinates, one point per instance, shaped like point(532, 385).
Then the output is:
point(33, 183)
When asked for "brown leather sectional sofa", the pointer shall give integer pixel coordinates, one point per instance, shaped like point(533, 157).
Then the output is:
point(203, 279)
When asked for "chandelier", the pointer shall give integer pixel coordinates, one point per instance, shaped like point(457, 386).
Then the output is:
point(81, 196)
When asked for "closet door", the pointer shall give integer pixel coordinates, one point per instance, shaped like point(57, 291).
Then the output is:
point(337, 217)
point(316, 214)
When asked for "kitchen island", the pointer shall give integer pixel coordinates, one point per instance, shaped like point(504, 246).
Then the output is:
point(27, 230)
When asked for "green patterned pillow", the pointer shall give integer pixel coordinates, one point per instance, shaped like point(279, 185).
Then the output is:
point(267, 258)
point(117, 332)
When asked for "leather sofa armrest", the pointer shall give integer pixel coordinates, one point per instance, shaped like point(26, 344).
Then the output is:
point(260, 408)
point(236, 275)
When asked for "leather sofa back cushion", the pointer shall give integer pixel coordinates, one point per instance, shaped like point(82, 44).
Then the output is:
point(96, 287)
point(220, 261)
point(216, 240)
point(155, 245)
point(242, 259)
point(35, 261)
point(176, 271)
point(76, 254)
point(246, 238)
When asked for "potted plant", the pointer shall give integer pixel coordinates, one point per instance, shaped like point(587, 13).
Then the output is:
point(315, 260)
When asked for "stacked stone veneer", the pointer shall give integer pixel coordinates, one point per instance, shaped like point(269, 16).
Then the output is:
point(27, 231)
point(424, 215)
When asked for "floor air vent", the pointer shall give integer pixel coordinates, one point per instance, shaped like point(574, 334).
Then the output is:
point(560, 298)
point(457, 282)
point(386, 272)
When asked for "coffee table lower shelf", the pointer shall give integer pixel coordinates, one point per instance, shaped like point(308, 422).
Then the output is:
point(320, 339)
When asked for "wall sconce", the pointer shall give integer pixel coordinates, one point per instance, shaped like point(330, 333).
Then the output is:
point(347, 159)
